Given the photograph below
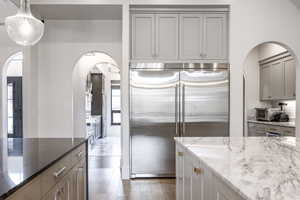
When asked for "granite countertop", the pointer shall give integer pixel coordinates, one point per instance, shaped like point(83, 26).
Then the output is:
point(286, 124)
point(258, 168)
point(23, 159)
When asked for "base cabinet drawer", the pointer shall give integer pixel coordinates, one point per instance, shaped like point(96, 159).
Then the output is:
point(31, 191)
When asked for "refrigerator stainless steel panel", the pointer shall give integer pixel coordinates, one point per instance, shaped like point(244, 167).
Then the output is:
point(204, 100)
point(153, 121)
point(174, 99)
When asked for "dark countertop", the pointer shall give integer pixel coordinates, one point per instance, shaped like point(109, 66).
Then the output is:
point(23, 159)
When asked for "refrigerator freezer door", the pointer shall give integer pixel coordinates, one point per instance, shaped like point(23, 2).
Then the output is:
point(153, 122)
point(204, 102)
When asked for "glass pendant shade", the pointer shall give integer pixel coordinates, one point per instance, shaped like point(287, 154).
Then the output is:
point(24, 28)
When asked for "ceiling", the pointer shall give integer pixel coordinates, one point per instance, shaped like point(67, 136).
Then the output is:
point(78, 12)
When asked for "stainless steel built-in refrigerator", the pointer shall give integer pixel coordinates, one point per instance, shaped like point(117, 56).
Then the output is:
point(174, 100)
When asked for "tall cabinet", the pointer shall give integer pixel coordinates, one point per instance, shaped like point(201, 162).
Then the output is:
point(179, 35)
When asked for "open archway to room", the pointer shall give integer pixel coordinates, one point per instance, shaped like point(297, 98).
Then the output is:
point(94, 78)
point(12, 96)
point(270, 91)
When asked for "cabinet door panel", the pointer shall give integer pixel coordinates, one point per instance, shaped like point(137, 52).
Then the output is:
point(190, 36)
point(143, 36)
point(179, 173)
point(214, 37)
point(277, 81)
point(290, 79)
point(265, 85)
point(166, 36)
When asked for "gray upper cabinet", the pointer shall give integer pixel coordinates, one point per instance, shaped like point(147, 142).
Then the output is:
point(265, 82)
point(166, 37)
point(278, 79)
point(290, 78)
point(143, 36)
point(203, 36)
point(191, 36)
point(214, 37)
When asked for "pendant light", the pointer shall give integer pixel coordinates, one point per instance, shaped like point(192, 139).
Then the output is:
point(24, 28)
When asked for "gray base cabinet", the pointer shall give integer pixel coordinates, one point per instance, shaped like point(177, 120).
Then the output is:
point(194, 181)
point(64, 180)
point(259, 129)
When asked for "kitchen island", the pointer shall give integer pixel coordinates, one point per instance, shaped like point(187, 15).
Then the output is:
point(43, 168)
point(250, 168)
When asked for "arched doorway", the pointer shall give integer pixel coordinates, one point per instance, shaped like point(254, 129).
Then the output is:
point(12, 96)
point(270, 91)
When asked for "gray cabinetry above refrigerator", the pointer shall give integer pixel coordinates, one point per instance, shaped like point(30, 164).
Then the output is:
point(173, 100)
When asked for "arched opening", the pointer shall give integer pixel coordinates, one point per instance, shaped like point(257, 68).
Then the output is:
point(270, 91)
point(12, 96)
point(96, 99)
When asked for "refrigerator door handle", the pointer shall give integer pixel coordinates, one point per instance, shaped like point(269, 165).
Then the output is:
point(176, 110)
point(183, 110)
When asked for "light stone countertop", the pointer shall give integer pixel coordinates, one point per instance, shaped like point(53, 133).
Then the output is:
point(286, 124)
point(258, 168)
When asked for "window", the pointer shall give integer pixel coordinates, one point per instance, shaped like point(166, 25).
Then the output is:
point(115, 103)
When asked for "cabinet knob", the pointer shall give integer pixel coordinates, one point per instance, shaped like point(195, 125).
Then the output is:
point(198, 171)
point(180, 153)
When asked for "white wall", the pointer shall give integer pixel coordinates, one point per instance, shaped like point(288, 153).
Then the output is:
point(62, 46)
point(252, 89)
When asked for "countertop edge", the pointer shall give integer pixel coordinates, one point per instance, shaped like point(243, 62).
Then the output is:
point(20, 185)
point(272, 123)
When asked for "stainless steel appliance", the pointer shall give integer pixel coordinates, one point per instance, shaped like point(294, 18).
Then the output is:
point(266, 114)
point(174, 100)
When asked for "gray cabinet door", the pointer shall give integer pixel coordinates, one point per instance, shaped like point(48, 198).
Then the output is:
point(265, 82)
point(214, 37)
point(143, 36)
point(290, 78)
point(277, 80)
point(191, 35)
point(166, 37)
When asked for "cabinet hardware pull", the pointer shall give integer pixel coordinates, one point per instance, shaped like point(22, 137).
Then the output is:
point(197, 171)
point(59, 172)
point(80, 154)
point(180, 153)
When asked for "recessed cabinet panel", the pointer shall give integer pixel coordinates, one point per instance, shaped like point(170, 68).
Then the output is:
point(190, 36)
point(265, 82)
point(214, 36)
point(166, 37)
point(143, 36)
point(277, 80)
point(290, 79)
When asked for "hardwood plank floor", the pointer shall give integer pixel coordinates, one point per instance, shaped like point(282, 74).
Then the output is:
point(105, 179)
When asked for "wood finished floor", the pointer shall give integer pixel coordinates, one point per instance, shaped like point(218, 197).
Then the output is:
point(105, 178)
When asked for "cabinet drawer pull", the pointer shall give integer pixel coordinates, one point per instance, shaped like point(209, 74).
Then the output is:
point(59, 172)
point(80, 154)
point(198, 171)
point(180, 153)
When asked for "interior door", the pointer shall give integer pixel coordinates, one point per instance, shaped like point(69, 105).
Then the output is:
point(153, 108)
point(205, 100)
point(15, 107)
